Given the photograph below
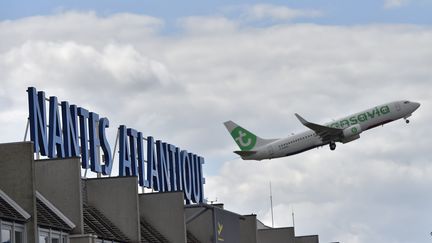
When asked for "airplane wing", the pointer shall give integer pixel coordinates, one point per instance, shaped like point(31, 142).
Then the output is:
point(326, 133)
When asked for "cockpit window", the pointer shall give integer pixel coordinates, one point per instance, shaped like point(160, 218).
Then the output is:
point(406, 102)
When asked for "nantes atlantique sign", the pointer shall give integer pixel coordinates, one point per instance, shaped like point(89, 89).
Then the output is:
point(75, 131)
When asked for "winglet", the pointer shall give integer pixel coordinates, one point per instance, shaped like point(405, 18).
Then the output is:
point(301, 119)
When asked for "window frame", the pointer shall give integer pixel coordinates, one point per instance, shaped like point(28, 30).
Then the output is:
point(13, 227)
point(60, 235)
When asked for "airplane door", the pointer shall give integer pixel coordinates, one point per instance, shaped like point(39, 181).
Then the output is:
point(398, 107)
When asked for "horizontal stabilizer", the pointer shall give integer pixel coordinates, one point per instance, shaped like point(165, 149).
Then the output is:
point(245, 153)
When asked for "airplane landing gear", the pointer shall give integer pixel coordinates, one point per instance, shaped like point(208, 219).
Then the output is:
point(332, 146)
point(406, 118)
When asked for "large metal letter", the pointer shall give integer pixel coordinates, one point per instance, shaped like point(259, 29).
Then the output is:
point(195, 178)
point(37, 119)
point(163, 166)
point(125, 160)
point(83, 116)
point(179, 169)
point(201, 179)
point(70, 129)
point(107, 167)
point(133, 134)
point(95, 165)
point(141, 164)
point(55, 140)
point(173, 166)
point(152, 167)
point(187, 177)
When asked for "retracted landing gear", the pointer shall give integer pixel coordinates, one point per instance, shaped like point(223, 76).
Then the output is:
point(332, 145)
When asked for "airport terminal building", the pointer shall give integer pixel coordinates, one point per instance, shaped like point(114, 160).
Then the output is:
point(48, 201)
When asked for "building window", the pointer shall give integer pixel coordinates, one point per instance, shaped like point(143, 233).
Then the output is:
point(6, 236)
point(11, 232)
point(52, 236)
point(19, 237)
point(43, 237)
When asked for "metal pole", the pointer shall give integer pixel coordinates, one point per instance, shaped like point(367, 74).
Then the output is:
point(99, 175)
point(27, 128)
point(293, 222)
point(293, 216)
point(271, 205)
point(115, 145)
point(215, 226)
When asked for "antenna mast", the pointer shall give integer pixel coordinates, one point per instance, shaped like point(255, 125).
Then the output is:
point(271, 205)
point(293, 217)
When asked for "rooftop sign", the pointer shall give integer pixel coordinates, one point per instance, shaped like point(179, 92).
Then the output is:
point(76, 131)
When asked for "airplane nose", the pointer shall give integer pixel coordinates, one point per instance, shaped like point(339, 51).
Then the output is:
point(415, 105)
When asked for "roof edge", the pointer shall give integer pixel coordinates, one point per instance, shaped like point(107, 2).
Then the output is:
point(55, 210)
point(17, 207)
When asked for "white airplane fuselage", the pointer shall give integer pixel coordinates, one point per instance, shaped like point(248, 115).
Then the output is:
point(351, 127)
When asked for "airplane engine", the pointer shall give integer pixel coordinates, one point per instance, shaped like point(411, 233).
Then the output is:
point(351, 133)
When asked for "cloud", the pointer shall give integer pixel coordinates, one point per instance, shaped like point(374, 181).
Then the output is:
point(278, 12)
point(206, 24)
point(83, 27)
point(395, 3)
point(180, 88)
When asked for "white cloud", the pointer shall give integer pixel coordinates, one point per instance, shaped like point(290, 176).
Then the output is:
point(278, 12)
point(205, 24)
point(181, 88)
point(395, 3)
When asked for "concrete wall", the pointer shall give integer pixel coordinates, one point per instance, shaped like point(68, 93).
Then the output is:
point(248, 229)
point(307, 239)
point(82, 238)
point(201, 227)
point(165, 212)
point(117, 199)
point(17, 180)
point(59, 180)
point(212, 224)
point(276, 235)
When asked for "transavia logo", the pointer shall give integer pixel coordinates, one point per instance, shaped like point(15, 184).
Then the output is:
point(244, 139)
point(219, 231)
point(361, 117)
point(354, 130)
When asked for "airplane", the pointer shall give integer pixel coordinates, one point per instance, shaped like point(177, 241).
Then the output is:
point(344, 130)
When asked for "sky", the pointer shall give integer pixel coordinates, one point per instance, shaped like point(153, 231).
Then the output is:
point(177, 70)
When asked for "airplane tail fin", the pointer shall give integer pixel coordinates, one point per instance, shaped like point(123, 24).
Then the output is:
point(246, 140)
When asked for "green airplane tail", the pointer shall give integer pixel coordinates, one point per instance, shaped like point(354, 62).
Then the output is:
point(246, 140)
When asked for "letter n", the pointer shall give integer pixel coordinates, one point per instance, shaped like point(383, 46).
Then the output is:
point(37, 120)
point(55, 140)
point(70, 129)
point(152, 167)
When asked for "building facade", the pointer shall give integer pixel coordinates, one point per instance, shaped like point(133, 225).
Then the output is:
point(47, 201)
